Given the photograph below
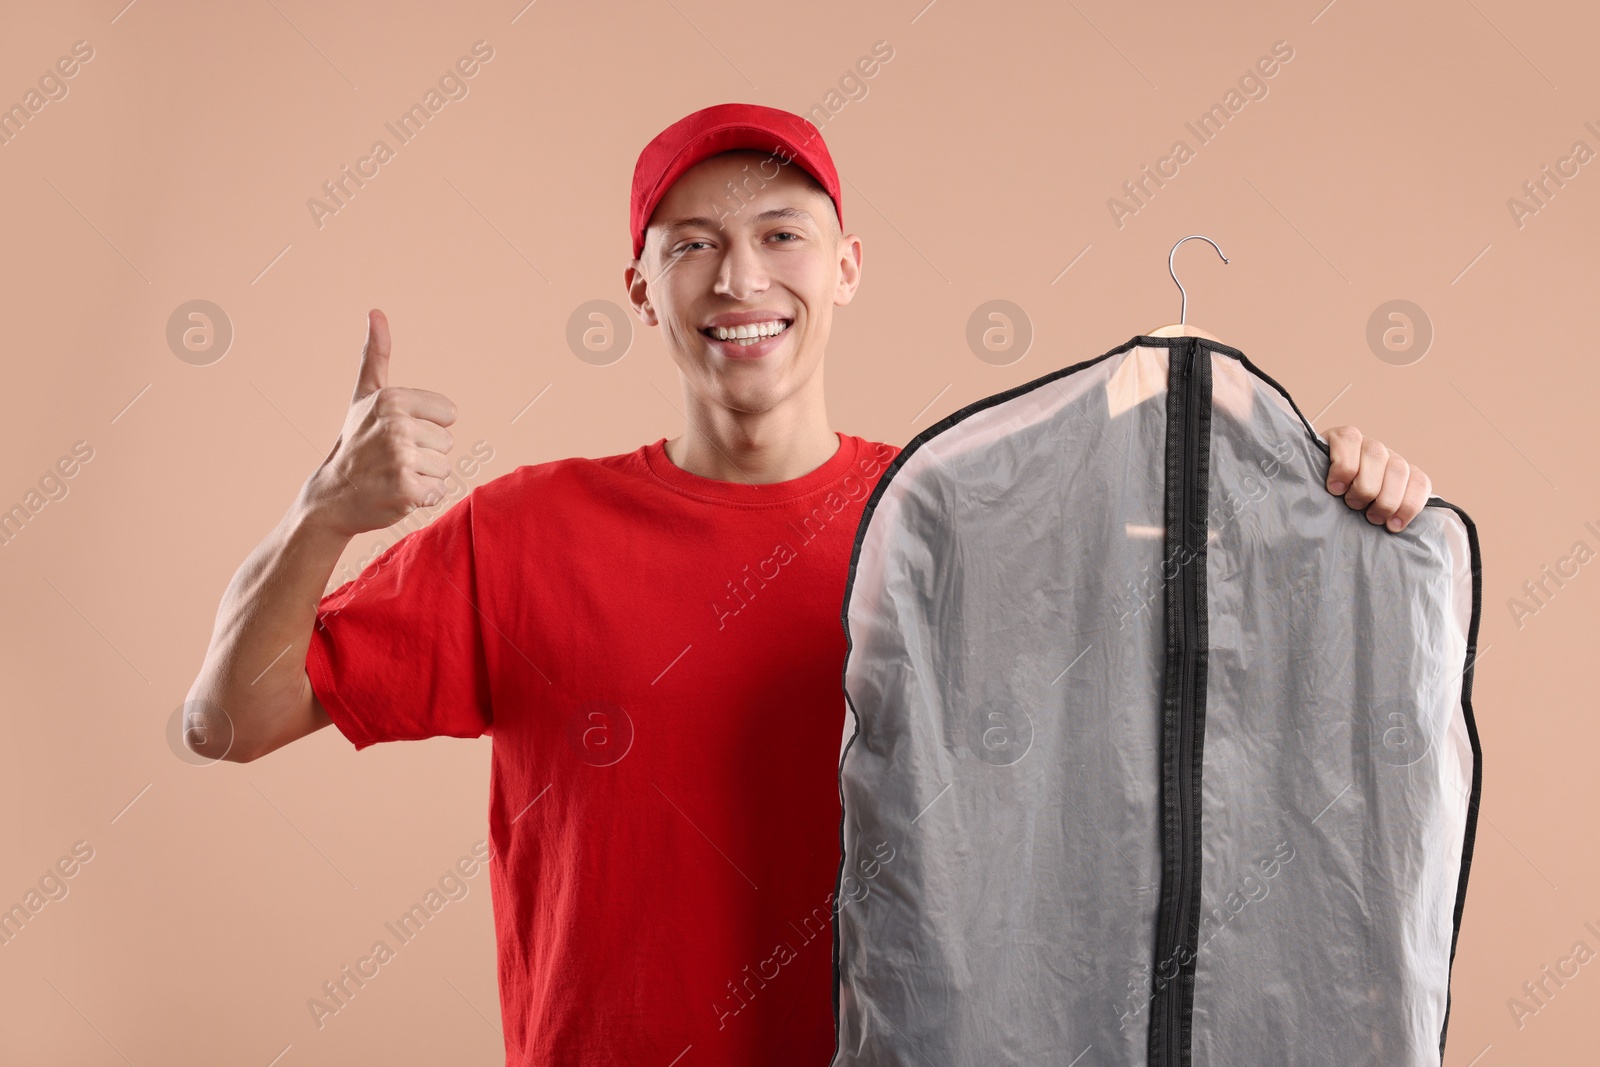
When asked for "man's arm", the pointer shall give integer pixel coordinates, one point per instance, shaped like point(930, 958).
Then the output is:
point(252, 694)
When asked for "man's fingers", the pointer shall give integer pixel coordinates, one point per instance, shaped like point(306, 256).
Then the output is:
point(430, 491)
point(418, 403)
point(431, 464)
point(1419, 487)
point(1369, 475)
point(431, 435)
point(1344, 457)
point(1397, 472)
point(374, 373)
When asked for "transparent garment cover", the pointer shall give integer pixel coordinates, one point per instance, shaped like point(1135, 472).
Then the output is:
point(1008, 617)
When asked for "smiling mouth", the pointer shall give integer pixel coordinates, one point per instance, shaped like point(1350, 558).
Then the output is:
point(745, 336)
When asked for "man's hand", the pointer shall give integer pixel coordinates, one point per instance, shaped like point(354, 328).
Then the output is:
point(390, 457)
point(1370, 476)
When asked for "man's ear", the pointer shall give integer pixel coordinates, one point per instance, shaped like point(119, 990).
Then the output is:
point(638, 287)
point(849, 269)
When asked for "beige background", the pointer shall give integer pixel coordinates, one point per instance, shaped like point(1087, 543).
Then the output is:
point(979, 164)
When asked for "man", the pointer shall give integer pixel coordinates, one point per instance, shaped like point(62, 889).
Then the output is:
point(651, 638)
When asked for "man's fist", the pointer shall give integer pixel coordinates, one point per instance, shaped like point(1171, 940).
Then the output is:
point(390, 458)
point(1371, 477)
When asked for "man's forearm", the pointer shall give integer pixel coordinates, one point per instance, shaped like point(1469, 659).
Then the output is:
point(252, 694)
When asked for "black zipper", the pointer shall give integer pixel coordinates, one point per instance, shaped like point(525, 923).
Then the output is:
point(1188, 455)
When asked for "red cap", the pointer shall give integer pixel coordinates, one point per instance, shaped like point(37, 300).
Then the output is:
point(724, 128)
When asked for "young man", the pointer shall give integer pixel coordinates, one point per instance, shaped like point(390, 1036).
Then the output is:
point(651, 638)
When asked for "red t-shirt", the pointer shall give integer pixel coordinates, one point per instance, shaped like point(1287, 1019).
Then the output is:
point(658, 657)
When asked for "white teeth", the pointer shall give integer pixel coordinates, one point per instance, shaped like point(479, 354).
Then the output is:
point(748, 335)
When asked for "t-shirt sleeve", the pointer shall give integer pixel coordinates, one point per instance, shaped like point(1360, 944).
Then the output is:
point(397, 653)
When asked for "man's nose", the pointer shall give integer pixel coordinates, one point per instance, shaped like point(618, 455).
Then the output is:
point(742, 274)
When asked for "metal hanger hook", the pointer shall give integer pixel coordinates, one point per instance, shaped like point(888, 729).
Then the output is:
point(1183, 310)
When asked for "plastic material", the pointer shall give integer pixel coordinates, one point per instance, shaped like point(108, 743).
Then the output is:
point(1162, 754)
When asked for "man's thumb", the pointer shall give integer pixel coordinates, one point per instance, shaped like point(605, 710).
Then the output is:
point(374, 374)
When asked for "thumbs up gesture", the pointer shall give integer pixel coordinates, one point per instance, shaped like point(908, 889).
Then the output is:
point(390, 458)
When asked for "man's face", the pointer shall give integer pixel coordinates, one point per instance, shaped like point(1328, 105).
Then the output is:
point(761, 257)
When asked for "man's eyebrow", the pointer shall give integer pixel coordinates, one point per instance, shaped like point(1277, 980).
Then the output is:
point(792, 213)
point(684, 224)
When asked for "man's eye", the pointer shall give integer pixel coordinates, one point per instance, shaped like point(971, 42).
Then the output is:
point(687, 246)
point(786, 233)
